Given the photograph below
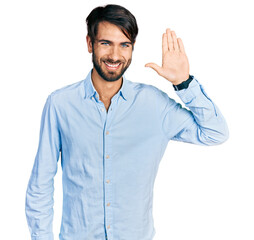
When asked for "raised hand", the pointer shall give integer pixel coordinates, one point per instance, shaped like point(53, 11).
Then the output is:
point(175, 64)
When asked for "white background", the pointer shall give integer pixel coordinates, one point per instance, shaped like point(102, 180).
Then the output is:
point(200, 192)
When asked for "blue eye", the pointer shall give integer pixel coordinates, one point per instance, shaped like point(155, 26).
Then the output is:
point(105, 43)
point(125, 45)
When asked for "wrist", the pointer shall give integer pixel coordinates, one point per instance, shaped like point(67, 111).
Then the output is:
point(184, 84)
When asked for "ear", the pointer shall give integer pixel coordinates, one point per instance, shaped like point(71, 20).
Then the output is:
point(89, 44)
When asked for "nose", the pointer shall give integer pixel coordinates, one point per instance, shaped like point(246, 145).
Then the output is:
point(114, 53)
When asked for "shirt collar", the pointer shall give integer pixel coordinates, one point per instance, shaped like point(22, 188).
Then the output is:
point(90, 90)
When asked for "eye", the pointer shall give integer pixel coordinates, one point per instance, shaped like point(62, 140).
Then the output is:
point(125, 45)
point(105, 43)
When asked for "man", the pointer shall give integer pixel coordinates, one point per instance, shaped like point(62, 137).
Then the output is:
point(112, 134)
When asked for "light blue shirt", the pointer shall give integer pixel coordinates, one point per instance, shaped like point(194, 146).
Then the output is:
point(110, 159)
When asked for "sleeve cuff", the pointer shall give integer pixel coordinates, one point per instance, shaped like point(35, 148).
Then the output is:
point(194, 89)
point(196, 93)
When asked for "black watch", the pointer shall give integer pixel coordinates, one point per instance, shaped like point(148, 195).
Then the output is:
point(184, 84)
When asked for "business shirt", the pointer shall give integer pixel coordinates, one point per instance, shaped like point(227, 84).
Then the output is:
point(109, 159)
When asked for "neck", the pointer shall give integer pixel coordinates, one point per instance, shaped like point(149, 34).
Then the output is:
point(105, 89)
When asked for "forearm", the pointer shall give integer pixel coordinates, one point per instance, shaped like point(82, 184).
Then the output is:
point(40, 189)
point(211, 127)
point(39, 206)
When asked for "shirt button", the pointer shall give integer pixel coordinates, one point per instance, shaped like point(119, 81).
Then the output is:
point(108, 181)
point(107, 156)
point(107, 132)
point(108, 204)
point(108, 227)
point(102, 109)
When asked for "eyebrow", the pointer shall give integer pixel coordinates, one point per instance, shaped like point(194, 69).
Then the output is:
point(103, 40)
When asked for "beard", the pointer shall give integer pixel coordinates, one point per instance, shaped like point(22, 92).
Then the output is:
point(108, 75)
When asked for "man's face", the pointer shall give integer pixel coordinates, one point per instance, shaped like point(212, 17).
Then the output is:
point(111, 51)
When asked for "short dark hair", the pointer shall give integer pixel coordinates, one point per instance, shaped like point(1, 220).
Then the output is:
point(116, 15)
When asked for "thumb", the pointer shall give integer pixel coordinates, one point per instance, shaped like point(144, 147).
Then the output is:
point(155, 67)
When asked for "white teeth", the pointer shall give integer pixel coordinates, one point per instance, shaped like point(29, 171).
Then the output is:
point(111, 65)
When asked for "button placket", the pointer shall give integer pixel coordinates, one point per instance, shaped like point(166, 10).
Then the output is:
point(101, 108)
point(108, 173)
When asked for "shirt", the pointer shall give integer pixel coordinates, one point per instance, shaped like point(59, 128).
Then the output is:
point(109, 159)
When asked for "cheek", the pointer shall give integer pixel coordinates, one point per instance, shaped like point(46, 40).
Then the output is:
point(127, 55)
point(99, 51)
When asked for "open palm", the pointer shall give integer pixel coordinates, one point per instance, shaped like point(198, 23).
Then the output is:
point(175, 65)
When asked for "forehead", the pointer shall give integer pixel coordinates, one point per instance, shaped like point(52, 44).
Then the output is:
point(111, 32)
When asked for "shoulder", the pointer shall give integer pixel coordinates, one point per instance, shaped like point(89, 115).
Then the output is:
point(67, 89)
point(144, 88)
point(151, 91)
point(67, 93)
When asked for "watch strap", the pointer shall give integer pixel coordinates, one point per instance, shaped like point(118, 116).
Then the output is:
point(184, 84)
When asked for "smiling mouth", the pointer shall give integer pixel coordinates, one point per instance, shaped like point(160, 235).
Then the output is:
point(111, 66)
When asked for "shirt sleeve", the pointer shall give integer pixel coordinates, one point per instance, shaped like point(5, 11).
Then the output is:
point(40, 189)
point(201, 122)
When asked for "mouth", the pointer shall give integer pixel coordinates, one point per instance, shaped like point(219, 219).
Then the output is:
point(111, 66)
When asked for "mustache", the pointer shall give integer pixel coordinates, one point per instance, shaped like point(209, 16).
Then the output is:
point(112, 61)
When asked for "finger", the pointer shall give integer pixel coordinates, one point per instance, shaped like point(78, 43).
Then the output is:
point(180, 42)
point(155, 67)
point(164, 43)
point(170, 40)
point(176, 47)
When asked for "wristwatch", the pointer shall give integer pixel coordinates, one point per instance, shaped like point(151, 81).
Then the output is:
point(184, 84)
